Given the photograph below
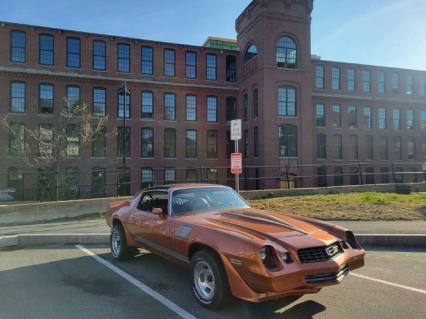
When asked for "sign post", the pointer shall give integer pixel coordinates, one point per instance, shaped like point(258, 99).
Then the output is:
point(236, 158)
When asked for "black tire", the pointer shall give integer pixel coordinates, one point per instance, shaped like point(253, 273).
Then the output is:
point(221, 293)
point(121, 251)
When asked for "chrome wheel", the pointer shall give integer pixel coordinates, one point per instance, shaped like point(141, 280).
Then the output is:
point(115, 243)
point(204, 280)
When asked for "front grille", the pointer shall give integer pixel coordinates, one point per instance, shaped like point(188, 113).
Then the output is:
point(314, 279)
point(317, 254)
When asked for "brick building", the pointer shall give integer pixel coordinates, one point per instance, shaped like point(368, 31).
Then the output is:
point(305, 120)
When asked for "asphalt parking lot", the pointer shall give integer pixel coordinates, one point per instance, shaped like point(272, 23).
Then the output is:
point(68, 282)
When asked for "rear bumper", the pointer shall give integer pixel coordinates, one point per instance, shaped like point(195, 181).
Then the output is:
point(299, 279)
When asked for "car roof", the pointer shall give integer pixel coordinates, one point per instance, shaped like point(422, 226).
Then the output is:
point(180, 186)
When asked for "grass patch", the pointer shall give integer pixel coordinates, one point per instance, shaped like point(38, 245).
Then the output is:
point(350, 206)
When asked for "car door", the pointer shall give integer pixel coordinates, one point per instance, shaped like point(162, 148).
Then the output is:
point(150, 228)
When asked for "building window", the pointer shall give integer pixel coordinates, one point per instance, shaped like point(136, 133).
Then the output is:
point(191, 175)
point(424, 147)
point(245, 107)
point(397, 149)
point(411, 147)
point(99, 101)
point(169, 62)
point(410, 119)
point(353, 147)
point(169, 143)
point(99, 55)
point(46, 49)
point(287, 138)
point(395, 82)
point(123, 111)
point(351, 80)
point(73, 99)
point(191, 144)
point(286, 53)
point(409, 84)
point(211, 144)
point(321, 146)
point(336, 116)
point(380, 82)
point(369, 175)
point(319, 76)
point(245, 141)
point(15, 181)
point(212, 174)
point(366, 81)
point(123, 181)
point(423, 120)
point(229, 144)
point(396, 119)
point(250, 54)
point(69, 183)
point(338, 176)
point(352, 116)
point(45, 147)
point(256, 141)
point(231, 68)
point(169, 175)
point(320, 115)
point(191, 108)
point(211, 108)
point(287, 101)
point(123, 142)
point(369, 154)
point(45, 98)
point(337, 143)
point(255, 103)
point(384, 175)
point(231, 108)
point(147, 111)
point(383, 148)
point(147, 142)
point(191, 64)
point(16, 139)
point(169, 107)
point(354, 173)
point(368, 121)
point(72, 133)
point(99, 141)
point(147, 60)
point(98, 182)
point(17, 46)
point(381, 118)
point(147, 177)
point(322, 176)
point(17, 97)
point(123, 57)
point(211, 66)
point(335, 78)
point(422, 86)
point(73, 52)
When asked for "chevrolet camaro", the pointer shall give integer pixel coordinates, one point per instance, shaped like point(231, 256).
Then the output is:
point(231, 248)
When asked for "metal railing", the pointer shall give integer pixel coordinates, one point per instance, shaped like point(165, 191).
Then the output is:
point(73, 183)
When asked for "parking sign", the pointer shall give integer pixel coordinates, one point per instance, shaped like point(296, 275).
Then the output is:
point(236, 163)
point(236, 130)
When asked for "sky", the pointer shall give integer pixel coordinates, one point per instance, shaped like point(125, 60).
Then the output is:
point(377, 32)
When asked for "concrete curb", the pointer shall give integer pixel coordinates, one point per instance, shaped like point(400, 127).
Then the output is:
point(28, 240)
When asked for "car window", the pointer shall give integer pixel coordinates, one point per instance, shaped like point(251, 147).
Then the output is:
point(152, 200)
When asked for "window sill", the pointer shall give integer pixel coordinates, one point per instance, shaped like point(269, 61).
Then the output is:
point(18, 113)
point(147, 119)
point(98, 157)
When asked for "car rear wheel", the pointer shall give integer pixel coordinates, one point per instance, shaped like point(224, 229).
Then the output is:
point(119, 248)
point(210, 284)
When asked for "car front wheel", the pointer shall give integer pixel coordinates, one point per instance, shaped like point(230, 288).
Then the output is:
point(119, 248)
point(210, 284)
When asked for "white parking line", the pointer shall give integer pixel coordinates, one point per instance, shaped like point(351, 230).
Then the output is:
point(163, 300)
point(389, 283)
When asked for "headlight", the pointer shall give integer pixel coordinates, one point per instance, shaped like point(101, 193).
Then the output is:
point(268, 257)
point(286, 258)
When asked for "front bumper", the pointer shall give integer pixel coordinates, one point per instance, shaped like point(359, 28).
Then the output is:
point(298, 279)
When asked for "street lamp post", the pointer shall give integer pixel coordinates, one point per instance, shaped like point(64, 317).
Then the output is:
point(123, 140)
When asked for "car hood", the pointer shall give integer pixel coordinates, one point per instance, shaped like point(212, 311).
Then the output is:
point(271, 225)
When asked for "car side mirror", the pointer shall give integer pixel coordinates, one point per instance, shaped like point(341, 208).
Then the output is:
point(157, 211)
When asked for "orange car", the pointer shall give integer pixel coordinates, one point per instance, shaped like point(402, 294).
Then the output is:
point(254, 255)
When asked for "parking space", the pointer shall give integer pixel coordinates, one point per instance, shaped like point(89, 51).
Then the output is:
point(66, 282)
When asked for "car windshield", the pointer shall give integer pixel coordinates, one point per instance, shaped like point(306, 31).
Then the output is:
point(204, 199)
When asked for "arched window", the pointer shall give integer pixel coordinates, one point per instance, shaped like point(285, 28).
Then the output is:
point(251, 53)
point(287, 137)
point(286, 53)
